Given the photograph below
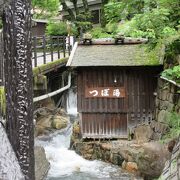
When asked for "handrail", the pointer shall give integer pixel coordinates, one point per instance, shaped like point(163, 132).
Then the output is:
point(171, 81)
point(39, 98)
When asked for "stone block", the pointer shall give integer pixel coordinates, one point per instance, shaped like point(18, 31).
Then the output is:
point(163, 105)
point(143, 133)
point(163, 116)
point(164, 94)
point(157, 101)
point(160, 83)
point(170, 97)
point(170, 107)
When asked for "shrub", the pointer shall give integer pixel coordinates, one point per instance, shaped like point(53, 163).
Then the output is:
point(173, 74)
point(56, 29)
point(174, 123)
point(111, 28)
point(99, 33)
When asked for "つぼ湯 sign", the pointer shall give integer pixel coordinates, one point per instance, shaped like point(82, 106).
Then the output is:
point(105, 92)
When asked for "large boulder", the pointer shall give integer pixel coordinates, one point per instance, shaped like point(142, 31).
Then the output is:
point(60, 122)
point(151, 161)
point(41, 163)
point(43, 125)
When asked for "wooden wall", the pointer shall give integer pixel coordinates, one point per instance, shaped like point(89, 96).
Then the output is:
point(111, 117)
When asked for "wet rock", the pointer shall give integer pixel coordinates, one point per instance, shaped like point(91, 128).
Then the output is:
point(43, 124)
point(41, 163)
point(60, 122)
point(46, 124)
point(131, 167)
point(151, 161)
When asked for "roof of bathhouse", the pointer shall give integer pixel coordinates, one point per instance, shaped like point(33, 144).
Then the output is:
point(111, 55)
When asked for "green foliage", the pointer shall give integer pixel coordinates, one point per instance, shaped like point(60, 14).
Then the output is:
point(56, 29)
point(172, 74)
point(174, 123)
point(2, 101)
point(111, 28)
point(113, 11)
point(45, 9)
point(99, 32)
point(83, 22)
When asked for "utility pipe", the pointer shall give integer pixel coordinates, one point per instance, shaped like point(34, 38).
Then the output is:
point(39, 98)
point(171, 81)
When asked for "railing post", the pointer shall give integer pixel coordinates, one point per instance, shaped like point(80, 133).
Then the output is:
point(35, 51)
point(69, 45)
point(51, 47)
point(58, 46)
point(44, 49)
point(64, 46)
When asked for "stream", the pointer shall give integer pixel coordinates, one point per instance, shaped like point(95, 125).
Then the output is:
point(66, 164)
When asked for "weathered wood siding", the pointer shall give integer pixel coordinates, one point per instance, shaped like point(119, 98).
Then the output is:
point(111, 117)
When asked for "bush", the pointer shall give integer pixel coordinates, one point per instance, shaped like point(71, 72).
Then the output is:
point(111, 28)
point(173, 74)
point(99, 33)
point(174, 123)
point(56, 29)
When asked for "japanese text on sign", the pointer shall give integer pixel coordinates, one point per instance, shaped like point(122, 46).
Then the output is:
point(108, 92)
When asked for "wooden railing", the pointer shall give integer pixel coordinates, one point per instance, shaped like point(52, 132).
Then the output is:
point(49, 48)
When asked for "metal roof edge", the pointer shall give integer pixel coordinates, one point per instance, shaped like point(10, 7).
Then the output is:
point(72, 54)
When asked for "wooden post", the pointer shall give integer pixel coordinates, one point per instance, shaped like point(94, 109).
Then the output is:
point(18, 83)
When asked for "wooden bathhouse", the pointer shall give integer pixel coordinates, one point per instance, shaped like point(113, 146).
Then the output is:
point(116, 87)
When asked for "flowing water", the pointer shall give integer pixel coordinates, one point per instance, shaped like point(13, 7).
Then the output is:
point(66, 164)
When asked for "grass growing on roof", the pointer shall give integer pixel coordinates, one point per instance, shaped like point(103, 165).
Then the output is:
point(47, 66)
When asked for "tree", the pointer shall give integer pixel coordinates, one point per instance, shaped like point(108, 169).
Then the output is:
point(45, 8)
point(81, 19)
point(18, 83)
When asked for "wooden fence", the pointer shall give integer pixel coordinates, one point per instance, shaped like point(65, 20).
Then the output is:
point(49, 48)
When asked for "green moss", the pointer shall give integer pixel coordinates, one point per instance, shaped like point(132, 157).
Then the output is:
point(46, 67)
point(2, 100)
point(149, 58)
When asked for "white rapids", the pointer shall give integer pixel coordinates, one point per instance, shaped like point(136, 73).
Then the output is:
point(67, 165)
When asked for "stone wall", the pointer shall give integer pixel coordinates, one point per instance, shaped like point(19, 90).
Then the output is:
point(167, 100)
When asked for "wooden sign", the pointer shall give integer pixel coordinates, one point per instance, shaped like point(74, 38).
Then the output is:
point(105, 92)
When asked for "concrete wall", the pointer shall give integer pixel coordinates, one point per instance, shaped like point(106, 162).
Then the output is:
point(167, 100)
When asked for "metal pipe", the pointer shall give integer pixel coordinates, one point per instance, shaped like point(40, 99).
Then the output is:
point(39, 98)
point(171, 81)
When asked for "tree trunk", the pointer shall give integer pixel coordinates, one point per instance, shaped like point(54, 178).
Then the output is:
point(18, 83)
point(85, 4)
point(70, 12)
point(75, 7)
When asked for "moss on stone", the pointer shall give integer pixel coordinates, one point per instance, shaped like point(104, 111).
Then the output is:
point(2, 100)
point(46, 67)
